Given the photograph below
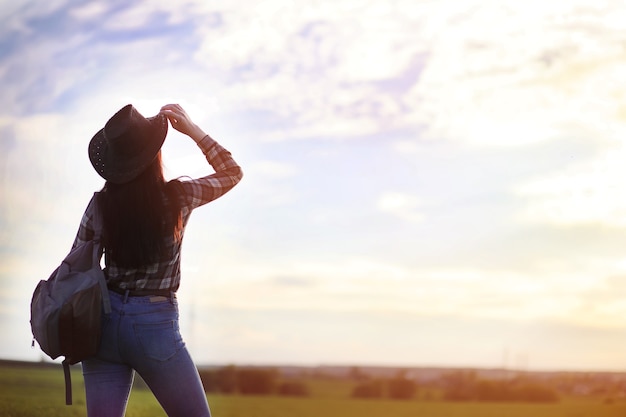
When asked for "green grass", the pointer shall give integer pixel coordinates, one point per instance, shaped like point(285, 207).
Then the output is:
point(33, 391)
point(286, 407)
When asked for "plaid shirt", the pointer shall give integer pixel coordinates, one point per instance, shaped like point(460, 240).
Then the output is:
point(165, 274)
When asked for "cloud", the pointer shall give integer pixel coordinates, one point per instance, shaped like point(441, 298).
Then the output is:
point(402, 205)
point(316, 65)
point(511, 74)
point(592, 192)
point(89, 11)
point(564, 293)
point(482, 73)
point(273, 169)
point(489, 74)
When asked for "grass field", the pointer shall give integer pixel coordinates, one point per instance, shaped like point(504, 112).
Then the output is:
point(34, 391)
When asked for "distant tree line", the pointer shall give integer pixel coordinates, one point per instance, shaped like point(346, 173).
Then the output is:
point(466, 386)
point(456, 386)
point(397, 388)
point(452, 386)
point(250, 381)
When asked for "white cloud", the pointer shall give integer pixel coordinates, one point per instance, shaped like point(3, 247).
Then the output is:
point(130, 18)
point(41, 127)
point(313, 64)
point(495, 73)
point(402, 205)
point(272, 169)
point(590, 193)
point(508, 75)
point(370, 285)
point(90, 10)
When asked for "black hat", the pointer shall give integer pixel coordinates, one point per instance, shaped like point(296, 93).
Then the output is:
point(127, 144)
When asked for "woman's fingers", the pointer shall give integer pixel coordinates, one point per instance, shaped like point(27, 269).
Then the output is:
point(177, 116)
point(172, 107)
point(175, 111)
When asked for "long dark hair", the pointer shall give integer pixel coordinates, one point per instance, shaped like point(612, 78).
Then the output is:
point(139, 216)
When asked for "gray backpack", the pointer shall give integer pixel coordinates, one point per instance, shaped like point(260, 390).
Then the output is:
point(66, 309)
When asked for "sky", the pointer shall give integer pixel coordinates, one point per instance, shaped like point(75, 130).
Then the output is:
point(427, 183)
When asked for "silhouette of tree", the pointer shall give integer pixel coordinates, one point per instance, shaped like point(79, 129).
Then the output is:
point(401, 388)
point(369, 389)
point(293, 389)
point(252, 381)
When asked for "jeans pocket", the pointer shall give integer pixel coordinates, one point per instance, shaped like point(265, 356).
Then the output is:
point(159, 341)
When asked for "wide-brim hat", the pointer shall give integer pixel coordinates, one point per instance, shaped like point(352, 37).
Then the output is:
point(127, 144)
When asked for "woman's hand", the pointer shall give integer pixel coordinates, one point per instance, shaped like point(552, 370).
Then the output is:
point(180, 120)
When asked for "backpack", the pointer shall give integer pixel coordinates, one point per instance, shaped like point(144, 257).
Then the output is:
point(66, 309)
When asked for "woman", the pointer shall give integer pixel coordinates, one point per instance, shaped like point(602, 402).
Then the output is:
point(144, 219)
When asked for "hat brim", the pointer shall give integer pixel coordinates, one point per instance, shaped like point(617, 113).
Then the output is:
point(120, 169)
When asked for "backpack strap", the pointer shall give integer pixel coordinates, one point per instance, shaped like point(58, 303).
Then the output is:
point(68, 382)
point(106, 302)
point(97, 249)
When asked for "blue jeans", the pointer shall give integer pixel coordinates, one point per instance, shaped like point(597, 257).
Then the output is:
point(141, 334)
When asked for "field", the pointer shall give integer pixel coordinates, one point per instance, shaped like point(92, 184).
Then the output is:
point(27, 391)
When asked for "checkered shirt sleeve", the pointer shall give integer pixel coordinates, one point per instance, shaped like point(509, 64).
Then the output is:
point(227, 174)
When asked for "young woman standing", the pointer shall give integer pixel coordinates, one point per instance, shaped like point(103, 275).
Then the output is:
point(144, 219)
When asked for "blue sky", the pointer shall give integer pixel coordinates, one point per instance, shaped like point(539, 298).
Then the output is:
point(426, 182)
